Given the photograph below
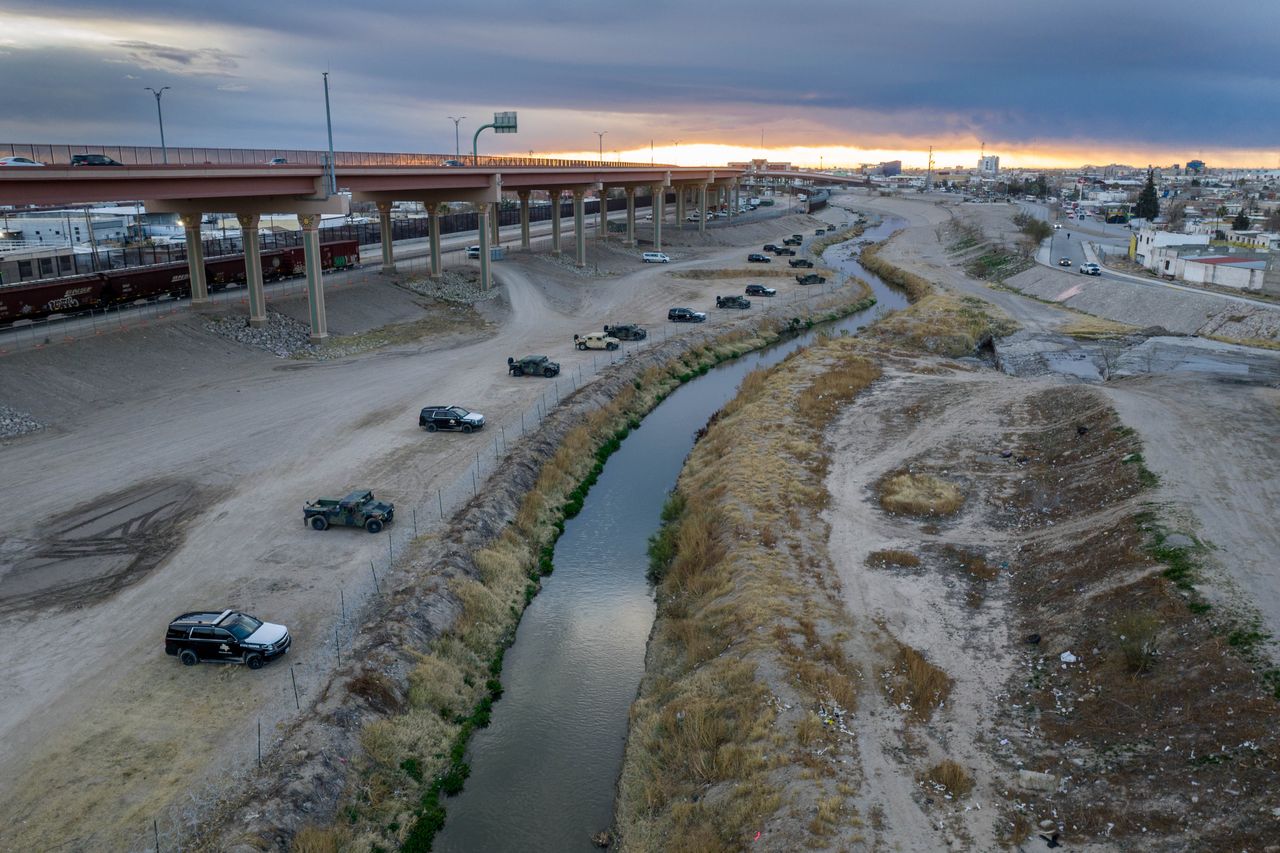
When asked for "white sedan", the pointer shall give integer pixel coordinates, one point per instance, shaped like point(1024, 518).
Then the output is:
point(18, 161)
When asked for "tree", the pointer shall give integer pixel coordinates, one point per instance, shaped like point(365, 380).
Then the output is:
point(1176, 215)
point(1148, 207)
point(1273, 219)
point(1241, 222)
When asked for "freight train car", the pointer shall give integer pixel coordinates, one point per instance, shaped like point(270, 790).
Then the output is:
point(34, 300)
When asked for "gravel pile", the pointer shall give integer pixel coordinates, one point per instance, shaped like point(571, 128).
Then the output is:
point(14, 423)
point(453, 286)
point(283, 336)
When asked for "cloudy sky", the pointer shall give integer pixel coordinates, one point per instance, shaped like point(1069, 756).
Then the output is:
point(1048, 82)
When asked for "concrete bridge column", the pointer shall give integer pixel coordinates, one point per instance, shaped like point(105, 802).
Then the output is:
point(737, 201)
point(603, 213)
point(195, 258)
point(555, 220)
point(659, 202)
point(253, 268)
point(702, 202)
point(482, 228)
point(524, 219)
point(579, 227)
point(631, 217)
point(433, 226)
point(679, 208)
point(494, 223)
point(310, 223)
point(384, 230)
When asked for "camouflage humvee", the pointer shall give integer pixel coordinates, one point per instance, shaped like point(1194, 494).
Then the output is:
point(533, 365)
point(811, 278)
point(358, 509)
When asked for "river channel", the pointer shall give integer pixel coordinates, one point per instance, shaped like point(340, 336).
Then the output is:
point(543, 773)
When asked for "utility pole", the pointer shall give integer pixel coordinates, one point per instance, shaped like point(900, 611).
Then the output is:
point(328, 121)
point(600, 137)
point(928, 178)
point(164, 152)
point(457, 146)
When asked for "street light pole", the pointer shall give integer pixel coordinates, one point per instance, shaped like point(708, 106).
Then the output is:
point(164, 151)
point(600, 137)
point(328, 121)
point(457, 146)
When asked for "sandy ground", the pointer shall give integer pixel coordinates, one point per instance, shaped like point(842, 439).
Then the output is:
point(171, 478)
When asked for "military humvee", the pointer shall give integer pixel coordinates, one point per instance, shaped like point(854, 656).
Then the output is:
point(734, 301)
point(811, 278)
point(533, 365)
point(626, 332)
point(358, 509)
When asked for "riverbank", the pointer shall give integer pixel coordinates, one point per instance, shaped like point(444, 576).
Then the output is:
point(386, 742)
point(1021, 644)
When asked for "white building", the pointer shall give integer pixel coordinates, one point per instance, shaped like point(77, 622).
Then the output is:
point(1146, 241)
point(989, 165)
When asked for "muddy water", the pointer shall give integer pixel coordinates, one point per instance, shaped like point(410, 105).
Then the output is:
point(543, 772)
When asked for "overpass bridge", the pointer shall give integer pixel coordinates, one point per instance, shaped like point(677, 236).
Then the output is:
point(249, 188)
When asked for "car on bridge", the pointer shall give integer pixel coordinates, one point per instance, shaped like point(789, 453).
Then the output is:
point(453, 418)
point(225, 636)
point(18, 161)
point(533, 365)
point(760, 290)
point(278, 161)
point(1091, 269)
point(757, 258)
point(596, 340)
point(685, 315)
point(357, 509)
point(626, 332)
point(93, 160)
point(733, 301)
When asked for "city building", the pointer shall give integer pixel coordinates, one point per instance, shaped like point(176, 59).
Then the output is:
point(989, 165)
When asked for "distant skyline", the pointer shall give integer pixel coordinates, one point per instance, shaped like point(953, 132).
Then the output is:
point(1052, 85)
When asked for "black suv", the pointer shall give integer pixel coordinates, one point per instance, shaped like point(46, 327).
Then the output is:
point(433, 418)
point(93, 160)
point(685, 315)
point(757, 258)
point(760, 290)
point(225, 637)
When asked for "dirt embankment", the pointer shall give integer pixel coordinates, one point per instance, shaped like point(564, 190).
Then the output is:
point(936, 613)
point(373, 760)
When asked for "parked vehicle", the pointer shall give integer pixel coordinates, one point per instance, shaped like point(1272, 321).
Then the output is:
point(655, 258)
point(357, 509)
point(93, 160)
point(226, 636)
point(799, 238)
point(792, 241)
point(455, 418)
point(757, 258)
point(32, 300)
point(784, 251)
point(596, 340)
point(733, 301)
point(770, 247)
point(1091, 269)
point(626, 332)
point(685, 315)
point(753, 201)
point(19, 161)
point(760, 290)
point(473, 253)
point(800, 262)
point(533, 365)
point(819, 232)
point(811, 278)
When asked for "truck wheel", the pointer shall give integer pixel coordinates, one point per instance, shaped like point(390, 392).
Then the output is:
point(466, 428)
point(517, 371)
point(373, 525)
point(548, 372)
point(432, 427)
point(319, 523)
point(611, 346)
point(581, 345)
point(253, 661)
point(188, 657)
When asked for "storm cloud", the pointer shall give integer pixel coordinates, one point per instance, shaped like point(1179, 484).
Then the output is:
point(1164, 74)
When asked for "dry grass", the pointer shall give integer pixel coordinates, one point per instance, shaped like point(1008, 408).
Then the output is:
point(1136, 635)
point(914, 682)
point(1259, 343)
point(944, 324)
point(914, 286)
point(951, 777)
point(920, 495)
point(830, 390)
point(1091, 328)
point(315, 839)
point(754, 271)
point(884, 559)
